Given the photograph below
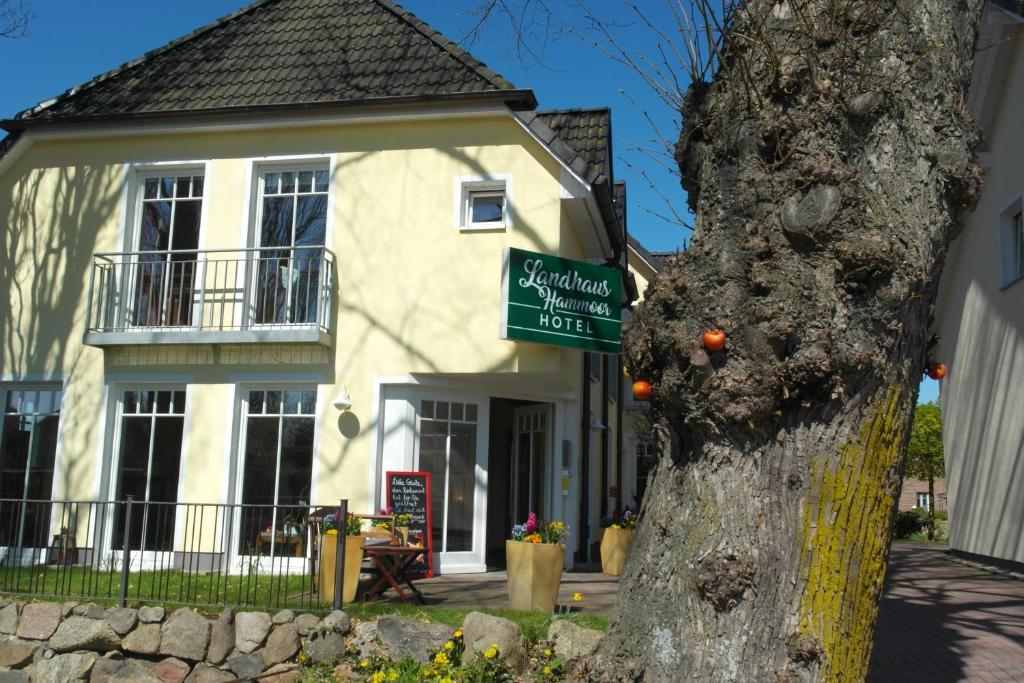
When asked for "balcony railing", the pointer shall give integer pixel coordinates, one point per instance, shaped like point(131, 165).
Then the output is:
point(202, 296)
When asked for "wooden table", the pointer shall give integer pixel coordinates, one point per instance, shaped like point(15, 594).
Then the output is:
point(392, 563)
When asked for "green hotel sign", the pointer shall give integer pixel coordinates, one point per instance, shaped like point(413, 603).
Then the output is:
point(551, 300)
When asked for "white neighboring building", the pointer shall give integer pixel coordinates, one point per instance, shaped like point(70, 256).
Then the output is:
point(980, 314)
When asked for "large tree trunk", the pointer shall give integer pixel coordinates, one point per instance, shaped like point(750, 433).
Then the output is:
point(828, 165)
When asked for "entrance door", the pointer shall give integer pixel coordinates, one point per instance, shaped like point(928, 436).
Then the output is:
point(449, 450)
point(530, 447)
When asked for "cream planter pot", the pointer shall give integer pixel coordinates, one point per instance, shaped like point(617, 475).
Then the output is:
point(615, 545)
point(353, 561)
point(534, 574)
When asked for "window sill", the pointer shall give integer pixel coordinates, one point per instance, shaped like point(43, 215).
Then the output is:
point(1011, 283)
point(483, 227)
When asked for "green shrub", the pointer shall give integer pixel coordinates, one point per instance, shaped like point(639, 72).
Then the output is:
point(909, 522)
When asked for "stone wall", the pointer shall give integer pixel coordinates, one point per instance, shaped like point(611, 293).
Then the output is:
point(54, 643)
point(57, 642)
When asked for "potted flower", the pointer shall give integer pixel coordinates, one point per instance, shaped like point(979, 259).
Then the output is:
point(402, 522)
point(354, 543)
point(535, 557)
point(616, 541)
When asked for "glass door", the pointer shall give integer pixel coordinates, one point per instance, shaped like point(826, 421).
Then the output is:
point(151, 427)
point(448, 450)
point(292, 229)
point(164, 269)
point(530, 443)
point(277, 475)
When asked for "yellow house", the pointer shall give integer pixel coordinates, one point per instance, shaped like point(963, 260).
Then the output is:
point(263, 265)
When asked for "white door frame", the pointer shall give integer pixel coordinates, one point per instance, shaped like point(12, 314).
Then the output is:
point(391, 434)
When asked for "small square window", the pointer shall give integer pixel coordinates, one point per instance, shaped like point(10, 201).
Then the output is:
point(483, 202)
point(487, 208)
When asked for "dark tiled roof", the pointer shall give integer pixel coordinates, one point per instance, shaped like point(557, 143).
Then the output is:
point(284, 52)
point(588, 132)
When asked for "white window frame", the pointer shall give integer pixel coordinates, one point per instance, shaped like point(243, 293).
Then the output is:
point(1010, 234)
point(28, 555)
point(132, 228)
point(254, 219)
point(236, 558)
point(470, 186)
point(922, 495)
point(146, 559)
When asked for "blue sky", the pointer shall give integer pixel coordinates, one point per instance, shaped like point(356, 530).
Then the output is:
point(71, 41)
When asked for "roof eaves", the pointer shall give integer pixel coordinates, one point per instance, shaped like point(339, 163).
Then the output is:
point(566, 154)
point(506, 97)
point(8, 142)
point(46, 104)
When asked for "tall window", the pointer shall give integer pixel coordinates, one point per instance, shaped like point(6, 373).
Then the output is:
point(646, 459)
point(168, 235)
point(292, 228)
point(448, 452)
point(923, 500)
point(148, 463)
point(28, 446)
point(277, 471)
point(1018, 245)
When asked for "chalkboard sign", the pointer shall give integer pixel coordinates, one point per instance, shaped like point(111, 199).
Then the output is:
point(409, 493)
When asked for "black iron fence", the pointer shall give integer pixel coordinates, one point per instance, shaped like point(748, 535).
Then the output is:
point(256, 556)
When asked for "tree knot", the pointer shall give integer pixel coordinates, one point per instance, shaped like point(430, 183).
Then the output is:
point(724, 578)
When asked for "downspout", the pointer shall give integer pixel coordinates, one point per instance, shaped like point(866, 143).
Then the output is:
point(618, 431)
point(605, 446)
point(582, 547)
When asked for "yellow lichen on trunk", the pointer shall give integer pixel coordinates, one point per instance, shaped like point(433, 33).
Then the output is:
point(846, 527)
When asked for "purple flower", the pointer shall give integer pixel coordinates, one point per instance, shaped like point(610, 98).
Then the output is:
point(531, 522)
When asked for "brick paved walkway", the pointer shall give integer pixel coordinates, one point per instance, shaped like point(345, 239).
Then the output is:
point(941, 621)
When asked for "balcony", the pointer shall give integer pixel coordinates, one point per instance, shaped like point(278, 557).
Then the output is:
point(211, 296)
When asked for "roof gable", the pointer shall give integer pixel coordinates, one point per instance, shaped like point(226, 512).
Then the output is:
point(283, 52)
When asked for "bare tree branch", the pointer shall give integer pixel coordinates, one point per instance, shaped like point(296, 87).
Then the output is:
point(14, 18)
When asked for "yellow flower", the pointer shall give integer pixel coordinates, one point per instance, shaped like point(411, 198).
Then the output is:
point(547, 652)
point(576, 597)
point(441, 658)
point(458, 634)
point(491, 652)
point(364, 664)
point(446, 679)
point(547, 670)
point(332, 532)
point(392, 674)
point(378, 677)
point(449, 645)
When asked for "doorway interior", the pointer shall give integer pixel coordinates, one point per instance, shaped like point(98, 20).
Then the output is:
point(519, 457)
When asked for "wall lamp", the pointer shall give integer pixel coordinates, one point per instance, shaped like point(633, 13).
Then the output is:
point(342, 401)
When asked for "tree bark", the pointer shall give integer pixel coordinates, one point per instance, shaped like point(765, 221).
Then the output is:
point(828, 164)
